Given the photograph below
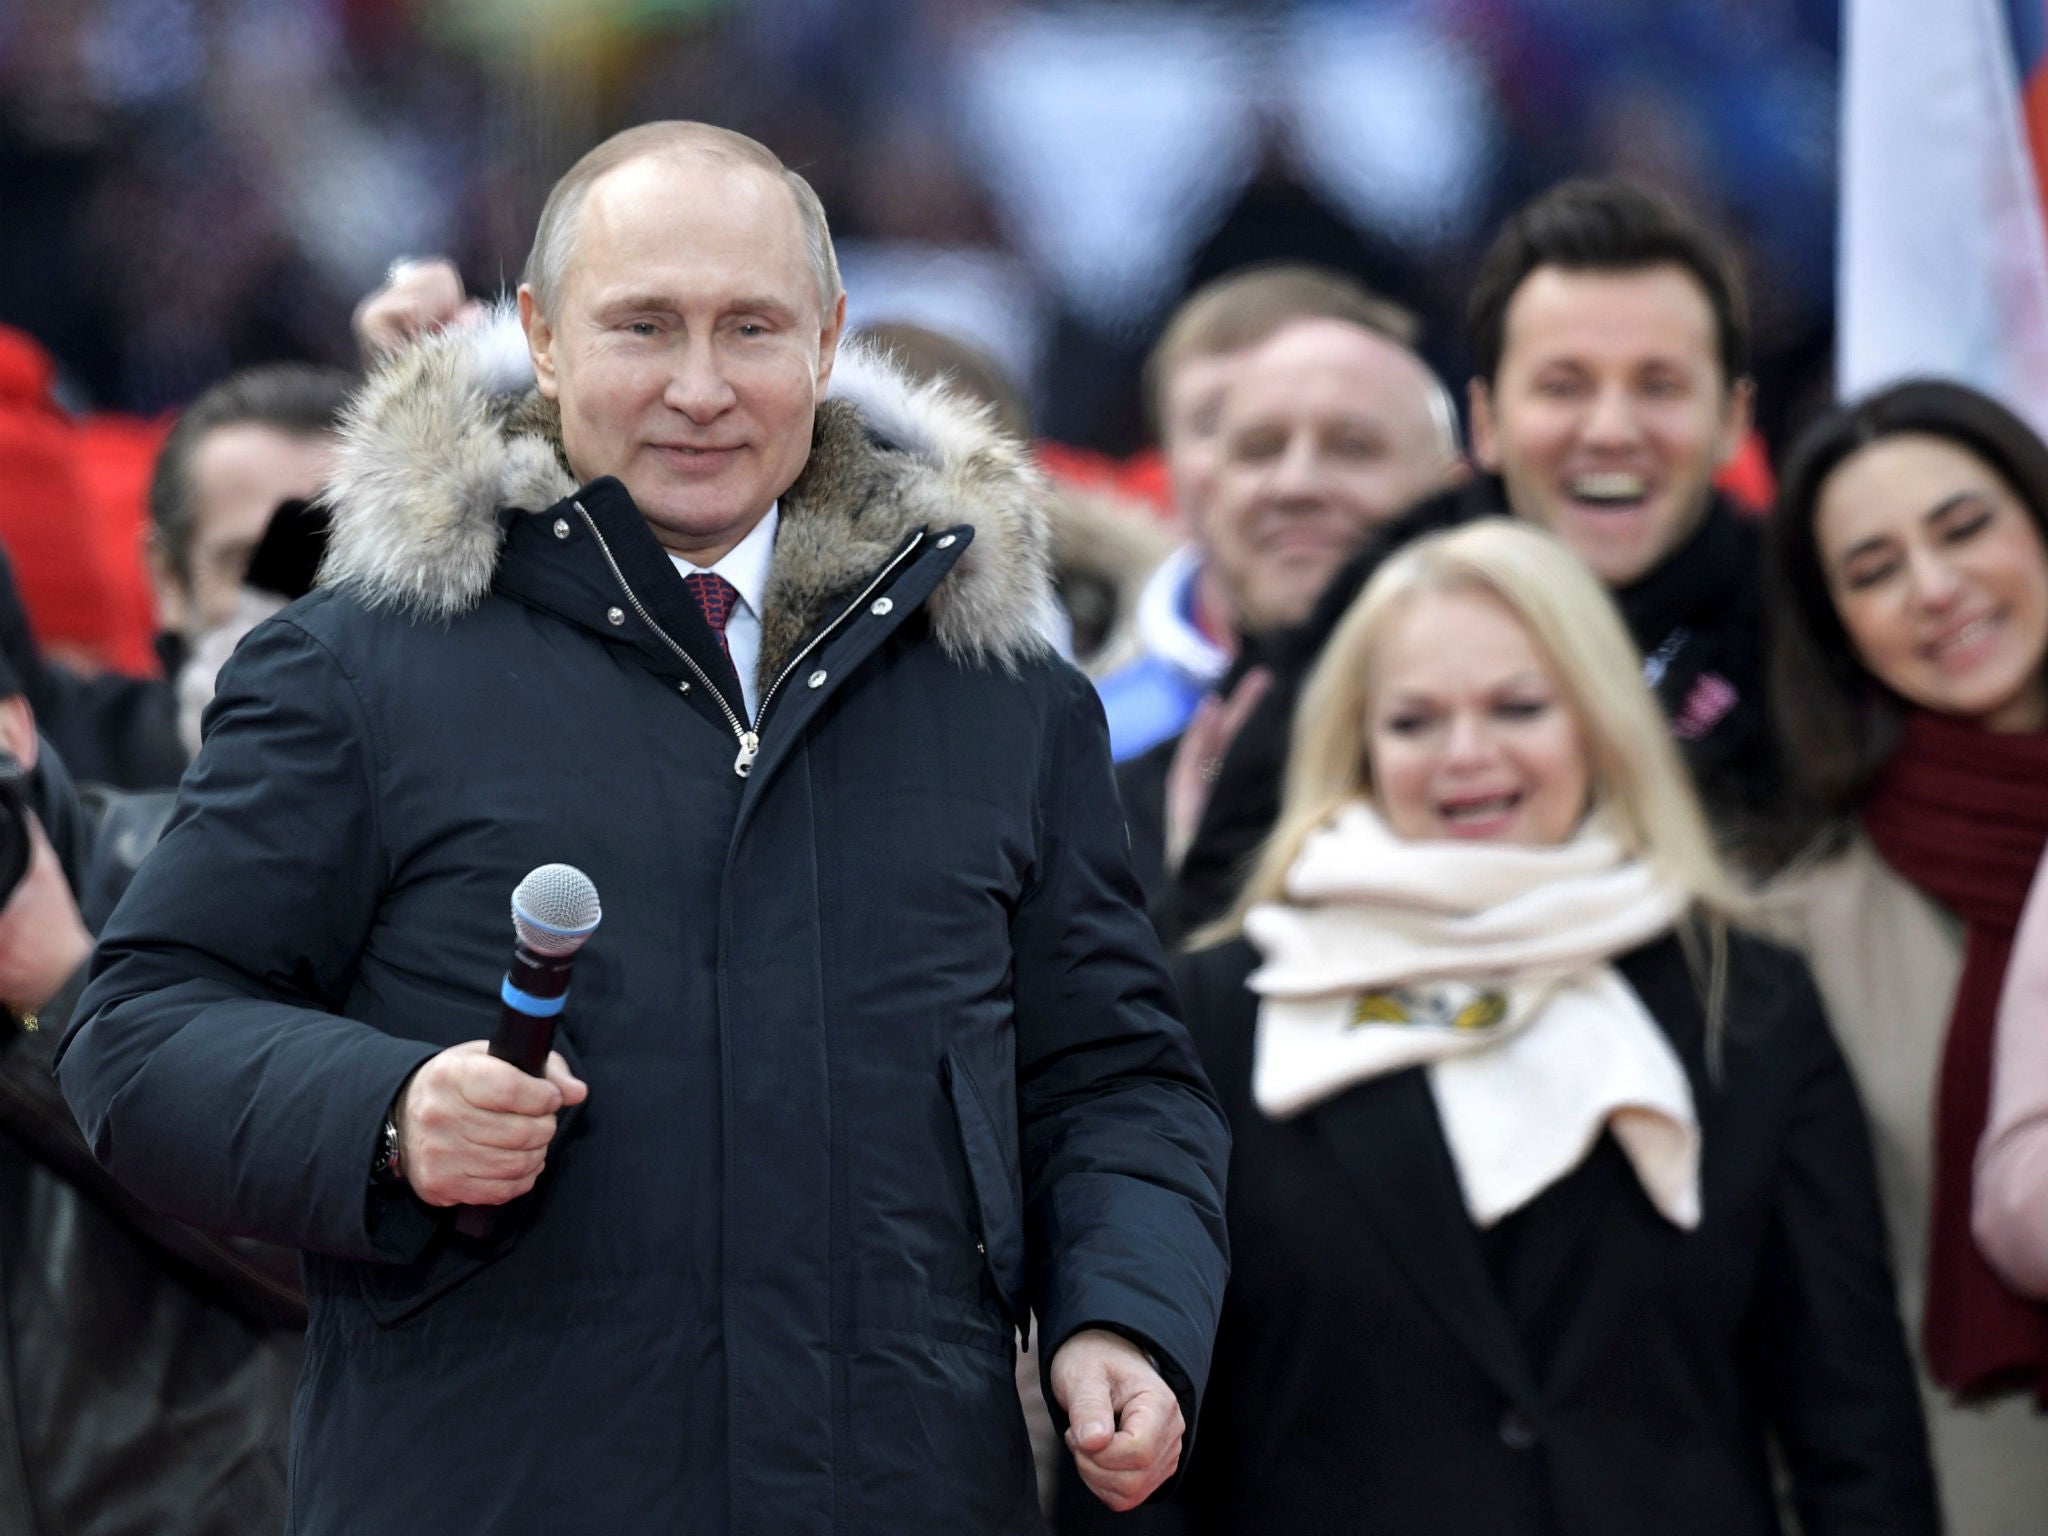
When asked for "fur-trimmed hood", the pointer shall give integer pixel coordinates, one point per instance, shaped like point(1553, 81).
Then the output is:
point(1105, 548)
point(450, 431)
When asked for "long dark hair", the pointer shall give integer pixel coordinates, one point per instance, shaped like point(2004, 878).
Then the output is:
point(1837, 721)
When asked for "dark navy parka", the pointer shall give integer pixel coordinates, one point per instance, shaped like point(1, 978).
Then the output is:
point(882, 1054)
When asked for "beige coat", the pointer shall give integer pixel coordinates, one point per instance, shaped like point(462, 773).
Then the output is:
point(1887, 961)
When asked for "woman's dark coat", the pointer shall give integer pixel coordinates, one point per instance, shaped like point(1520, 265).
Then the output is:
point(1385, 1369)
point(882, 1053)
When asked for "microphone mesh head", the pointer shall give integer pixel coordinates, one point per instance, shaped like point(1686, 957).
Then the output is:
point(554, 909)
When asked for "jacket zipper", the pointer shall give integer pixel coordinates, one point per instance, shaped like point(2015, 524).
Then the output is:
point(749, 740)
point(824, 634)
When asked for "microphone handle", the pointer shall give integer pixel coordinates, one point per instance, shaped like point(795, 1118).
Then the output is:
point(530, 1000)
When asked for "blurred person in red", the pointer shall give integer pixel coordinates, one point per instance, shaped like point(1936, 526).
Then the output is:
point(1610, 342)
point(57, 578)
point(71, 516)
point(1909, 604)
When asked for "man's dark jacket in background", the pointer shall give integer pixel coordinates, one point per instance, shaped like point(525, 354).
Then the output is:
point(110, 728)
point(883, 1054)
point(146, 1368)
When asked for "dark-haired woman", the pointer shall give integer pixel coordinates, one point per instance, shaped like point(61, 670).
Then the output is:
point(1910, 598)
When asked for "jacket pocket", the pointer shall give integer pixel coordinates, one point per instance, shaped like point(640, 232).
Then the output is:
point(990, 1153)
point(394, 1292)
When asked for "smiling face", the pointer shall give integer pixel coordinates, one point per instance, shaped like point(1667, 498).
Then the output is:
point(689, 350)
point(1940, 578)
point(1327, 432)
point(1608, 417)
point(1468, 730)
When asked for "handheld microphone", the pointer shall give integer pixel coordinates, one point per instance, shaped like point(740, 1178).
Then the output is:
point(554, 912)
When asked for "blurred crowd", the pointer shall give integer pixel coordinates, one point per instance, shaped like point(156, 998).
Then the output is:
point(1366, 294)
point(195, 185)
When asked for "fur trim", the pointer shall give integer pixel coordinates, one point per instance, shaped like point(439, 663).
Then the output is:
point(431, 449)
point(1105, 547)
point(940, 461)
point(426, 461)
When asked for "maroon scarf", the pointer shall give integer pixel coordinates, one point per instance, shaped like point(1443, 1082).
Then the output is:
point(1962, 814)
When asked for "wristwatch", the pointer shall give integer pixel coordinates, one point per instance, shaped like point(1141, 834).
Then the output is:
point(385, 1173)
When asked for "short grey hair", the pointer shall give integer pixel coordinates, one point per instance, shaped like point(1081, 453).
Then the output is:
point(554, 238)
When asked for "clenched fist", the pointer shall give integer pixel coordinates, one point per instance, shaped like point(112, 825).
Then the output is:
point(1125, 1425)
point(474, 1130)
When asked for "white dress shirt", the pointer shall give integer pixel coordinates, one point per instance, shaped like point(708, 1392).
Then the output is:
point(746, 566)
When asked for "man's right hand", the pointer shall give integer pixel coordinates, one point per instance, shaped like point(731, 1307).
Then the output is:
point(474, 1130)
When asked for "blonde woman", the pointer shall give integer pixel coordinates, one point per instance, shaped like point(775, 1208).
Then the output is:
point(1551, 1204)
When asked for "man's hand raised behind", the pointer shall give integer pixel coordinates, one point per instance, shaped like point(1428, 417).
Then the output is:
point(474, 1130)
point(417, 297)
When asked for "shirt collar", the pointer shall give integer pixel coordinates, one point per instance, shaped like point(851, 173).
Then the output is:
point(745, 565)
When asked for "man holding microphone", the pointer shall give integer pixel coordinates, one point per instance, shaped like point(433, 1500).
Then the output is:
point(874, 1056)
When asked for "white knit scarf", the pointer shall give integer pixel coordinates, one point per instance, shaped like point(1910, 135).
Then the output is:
point(1487, 963)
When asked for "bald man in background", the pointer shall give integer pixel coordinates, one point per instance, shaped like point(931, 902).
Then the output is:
point(1324, 431)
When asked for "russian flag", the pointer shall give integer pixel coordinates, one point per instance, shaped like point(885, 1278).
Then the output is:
point(1944, 252)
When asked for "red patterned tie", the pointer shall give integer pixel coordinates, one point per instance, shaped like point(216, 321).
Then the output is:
point(715, 597)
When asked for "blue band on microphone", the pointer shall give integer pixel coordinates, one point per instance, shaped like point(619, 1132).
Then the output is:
point(533, 1007)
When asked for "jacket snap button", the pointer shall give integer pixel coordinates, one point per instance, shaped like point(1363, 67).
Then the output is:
point(817, 680)
point(882, 606)
point(683, 685)
point(982, 1249)
point(616, 615)
point(946, 542)
point(561, 527)
point(1516, 1432)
